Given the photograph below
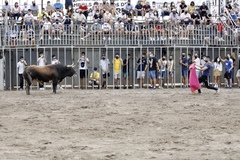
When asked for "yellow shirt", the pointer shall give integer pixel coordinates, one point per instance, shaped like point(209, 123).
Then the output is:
point(95, 76)
point(117, 65)
point(40, 15)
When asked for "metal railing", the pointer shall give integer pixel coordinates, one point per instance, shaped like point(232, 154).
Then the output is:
point(167, 35)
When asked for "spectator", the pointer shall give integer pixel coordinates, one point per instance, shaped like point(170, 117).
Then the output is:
point(203, 9)
point(186, 32)
point(153, 66)
point(211, 35)
point(146, 7)
point(16, 11)
point(68, 24)
point(57, 30)
point(182, 7)
point(117, 63)
point(227, 75)
point(55, 60)
point(83, 29)
point(139, 9)
point(83, 69)
point(42, 16)
point(34, 8)
point(107, 30)
point(130, 14)
point(191, 8)
point(196, 60)
point(12, 33)
point(185, 18)
point(28, 19)
point(196, 18)
point(46, 29)
point(160, 32)
point(208, 19)
point(97, 16)
point(151, 31)
point(238, 72)
point(232, 19)
point(184, 62)
point(95, 78)
point(171, 68)
point(162, 63)
point(58, 6)
point(119, 27)
point(84, 9)
point(172, 6)
point(132, 29)
point(104, 65)
point(68, 5)
point(104, 6)
point(95, 8)
point(95, 30)
point(149, 17)
point(21, 66)
point(112, 8)
point(49, 8)
point(57, 15)
point(128, 7)
point(236, 8)
point(154, 6)
point(189, 58)
point(42, 61)
point(142, 67)
point(24, 8)
point(107, 17)
point(228, 5)
point(233, 59)
point(217, 71)
point(126, 72)
point(6, 8)
point(30, 36)
point(80, 18)
point(165, 9)
point(173, 17)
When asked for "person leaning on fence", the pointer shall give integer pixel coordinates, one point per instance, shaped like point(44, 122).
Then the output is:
point(238, 72)
point(184, 62)
point(171, 67)
point(94, 78)
point(21, 65)
point(42, 61)
point(95, 31)
point(104, 66)
point(162, 63)
point(117, 63)
point(6, 9)
point(227, 74)
point(153, 67)
point(83, 68)
point(126, 72)
point(142, 67)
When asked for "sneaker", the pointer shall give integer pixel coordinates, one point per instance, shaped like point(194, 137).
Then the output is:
point(42, 89)
point(171, 38)
point(104, 38)
point(109, 38)
point(82, 39)
point(157, 38)
point(20, 89)
point(55, 38)
point(163, 38)
point(58, 38)
point(150, 38)
point(217, 91)
point(61, 88)
point(41, 38)
point(159, 87)
point(49, 38)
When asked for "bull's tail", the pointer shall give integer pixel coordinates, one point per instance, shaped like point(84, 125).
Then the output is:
point(28, 79)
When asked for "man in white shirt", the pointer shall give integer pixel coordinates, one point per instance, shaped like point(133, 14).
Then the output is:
point(46, 29)
point(185, 17)
point(149, 17)
point(42, 61)
point(79, 18)
point(196, 60)
point(104, 66)
point(55, 60)
point(107, 29)
point(34, 8)
point(6, 8)
point(21, 65)
point(83, 69)
point(24, 9)
point(162, 63)
point(107, 17)
point(57, 30)
point(57, 16)
point(119, 27)
point(28, 19)
point(173, 17)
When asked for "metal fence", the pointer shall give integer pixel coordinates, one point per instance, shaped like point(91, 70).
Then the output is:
point(67, 55)
point(137, 34)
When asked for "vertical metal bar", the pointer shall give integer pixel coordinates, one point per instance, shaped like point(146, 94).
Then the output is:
point(93, 62)
point(175, 62)
point(134, 68)
point(17, 79)
point(86, 71)
point(79, 79)
point(120, 55)
point(113, 55)
point(10, 67)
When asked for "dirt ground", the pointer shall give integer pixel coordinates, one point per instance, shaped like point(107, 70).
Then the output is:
point(141, 124)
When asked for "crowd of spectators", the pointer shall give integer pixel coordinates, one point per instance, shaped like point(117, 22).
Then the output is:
point(105, 21)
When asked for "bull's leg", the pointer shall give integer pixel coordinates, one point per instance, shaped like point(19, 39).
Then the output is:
point(54, 84)
point(28, 79)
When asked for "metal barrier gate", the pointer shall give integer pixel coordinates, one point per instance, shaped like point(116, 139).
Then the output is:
point(67, 55)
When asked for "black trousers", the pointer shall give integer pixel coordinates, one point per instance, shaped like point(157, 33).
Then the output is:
point(204, 79)
point(21, 80)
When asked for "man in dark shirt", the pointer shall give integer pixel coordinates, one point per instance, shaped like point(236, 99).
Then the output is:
point(196, 18)
point(142, 67)
point(153, 66)
point(182, 6)
point(203, 9)
point(139, 9)
point(126, 73)
point(238, 72)
point(184, 63)
point(206, 74)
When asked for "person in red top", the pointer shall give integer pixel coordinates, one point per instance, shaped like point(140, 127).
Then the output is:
point(220, 28)
point(84, 9)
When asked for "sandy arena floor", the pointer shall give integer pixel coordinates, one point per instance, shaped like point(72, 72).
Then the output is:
point(139, 124)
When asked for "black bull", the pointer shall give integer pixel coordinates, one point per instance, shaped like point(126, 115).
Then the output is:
point(54, 72)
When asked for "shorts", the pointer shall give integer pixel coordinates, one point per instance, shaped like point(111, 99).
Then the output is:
point(104, 75)
point(162, 75)
point(95, 82)
point(125, 75)
point(184, 73)
point(238, 74)
point(83, 73)
point(152, 74)
point(117, 75)
point(140, 74)
point(227, 75)
point(216, 73)
point(171, 74)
